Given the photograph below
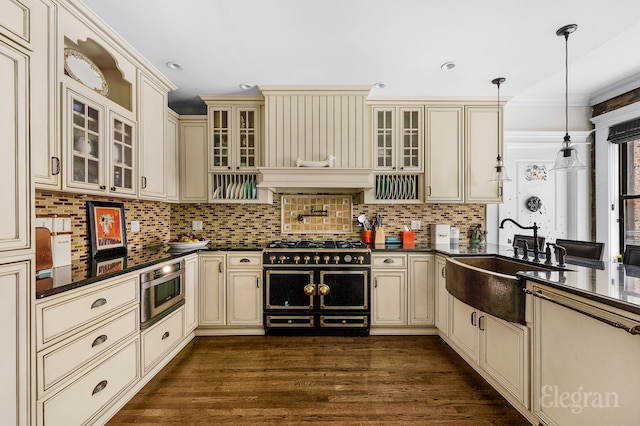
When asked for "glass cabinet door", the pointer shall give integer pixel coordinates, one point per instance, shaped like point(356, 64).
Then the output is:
point(220, 149)
point(247, 139)
point(411, 132)
point(122, 155)
point(86, 124)
point(384, 138)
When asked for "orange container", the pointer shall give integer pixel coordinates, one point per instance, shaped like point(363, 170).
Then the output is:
point(407, 238)
point(367, 236)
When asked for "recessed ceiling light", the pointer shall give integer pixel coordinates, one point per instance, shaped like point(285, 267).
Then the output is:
point(174, 66)
point(448, 65)
point(379, 85)
point(247, 86)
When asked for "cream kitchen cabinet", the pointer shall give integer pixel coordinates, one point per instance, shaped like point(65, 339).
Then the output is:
point(46, 155)
point(442, 298)
point(16, 190)
point(234, 134)
point(421, 290)
point(161, 338)
point(17, 338)
point(193, 159)
point(244, 289)
point(462, 145)
point(231, 293)
point(402, 293)
point(212, 292)
point(445, 154)
point(496, 347)
point(152, 118)
point(483, 143)
point(191, 278)
point(88, 350)
point(389, 290)
point(173, 157)
point(100, 144)
point(399, 138)
point(583, 367)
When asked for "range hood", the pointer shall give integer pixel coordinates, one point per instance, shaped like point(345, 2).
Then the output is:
point(303, 126)
point(316, 179)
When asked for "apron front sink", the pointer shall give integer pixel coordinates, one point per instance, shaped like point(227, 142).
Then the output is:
point(490, 284)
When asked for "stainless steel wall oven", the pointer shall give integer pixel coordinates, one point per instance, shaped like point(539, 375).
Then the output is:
point(161, 292)
point(317, 288)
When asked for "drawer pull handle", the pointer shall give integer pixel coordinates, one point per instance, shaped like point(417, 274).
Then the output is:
point(99, 302)
point(388, 261)
point(165, 335)
point(245, 260)
point(444, 272)
point(99, 340)
point(99, 387)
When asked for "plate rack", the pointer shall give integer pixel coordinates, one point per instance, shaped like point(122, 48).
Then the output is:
point(397, 187)
point(235, 186)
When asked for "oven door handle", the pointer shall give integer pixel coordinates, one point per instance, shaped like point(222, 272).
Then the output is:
point(162, 279)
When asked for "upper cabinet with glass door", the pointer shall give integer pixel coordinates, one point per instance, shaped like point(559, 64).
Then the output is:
point(398, 136)
point(234, 138)
point(100, 154)
point(398, 141)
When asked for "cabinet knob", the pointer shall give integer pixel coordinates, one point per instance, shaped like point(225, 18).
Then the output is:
point(112, 189)
point(103, 187)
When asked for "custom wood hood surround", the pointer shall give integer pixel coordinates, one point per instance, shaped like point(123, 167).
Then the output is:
point(313, 123)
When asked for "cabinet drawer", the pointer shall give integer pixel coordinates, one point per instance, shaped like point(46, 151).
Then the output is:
point(389, 261)
point(160, 338)
point(244, 260)
point(79, 402)
point(55, 319)
point(60, 361)
point(15, 21)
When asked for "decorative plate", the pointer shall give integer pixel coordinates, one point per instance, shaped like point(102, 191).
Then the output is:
point(83, 70)
point(186, 246)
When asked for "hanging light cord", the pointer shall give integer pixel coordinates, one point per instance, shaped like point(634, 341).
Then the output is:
point(566, 88)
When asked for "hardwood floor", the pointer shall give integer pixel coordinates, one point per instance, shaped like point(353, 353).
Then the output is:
point(320, 380)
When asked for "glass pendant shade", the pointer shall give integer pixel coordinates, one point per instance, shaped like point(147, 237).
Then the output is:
point(499, 173)
point(567, 158)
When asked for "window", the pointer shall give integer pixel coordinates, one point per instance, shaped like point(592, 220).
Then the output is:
point(629, 193)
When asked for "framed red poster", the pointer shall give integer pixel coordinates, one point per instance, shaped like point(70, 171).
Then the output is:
point(107, 228)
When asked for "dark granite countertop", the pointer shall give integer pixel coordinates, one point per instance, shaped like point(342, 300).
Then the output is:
point(607, 282)
point(85, 272)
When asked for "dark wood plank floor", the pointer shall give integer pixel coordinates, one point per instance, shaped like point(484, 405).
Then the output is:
point(320, 380)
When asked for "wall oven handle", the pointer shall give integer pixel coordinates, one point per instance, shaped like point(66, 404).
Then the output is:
point(162, 279)
point(99, 302)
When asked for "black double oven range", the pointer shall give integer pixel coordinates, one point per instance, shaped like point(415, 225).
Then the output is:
point(317, 288)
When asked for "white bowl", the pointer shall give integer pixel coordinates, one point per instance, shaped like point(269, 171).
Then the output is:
point(187, 245)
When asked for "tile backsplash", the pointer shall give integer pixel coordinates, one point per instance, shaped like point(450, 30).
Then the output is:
point(250, 225)
point(321, 214)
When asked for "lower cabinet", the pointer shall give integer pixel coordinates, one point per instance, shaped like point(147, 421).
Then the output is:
point(231, 293)
point(499, 348)
point(159, 339)
point(80, 400)
point(442, 298)
point(15, 335)
point(584, 369)
point(402, 293)
point(191, 278)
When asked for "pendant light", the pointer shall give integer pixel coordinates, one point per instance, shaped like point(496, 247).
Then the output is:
point(499, 173)
point(567, 158)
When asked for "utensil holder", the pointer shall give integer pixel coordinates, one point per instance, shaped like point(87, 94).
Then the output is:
point(379, 236)
point(367, 236)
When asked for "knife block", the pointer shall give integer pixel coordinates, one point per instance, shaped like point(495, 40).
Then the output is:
point(379, 236)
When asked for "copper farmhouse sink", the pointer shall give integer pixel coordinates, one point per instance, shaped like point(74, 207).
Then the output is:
point(490, 284)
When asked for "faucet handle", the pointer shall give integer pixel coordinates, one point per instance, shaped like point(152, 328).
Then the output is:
point(561, 254)
point(525, 249)
point(547, 254)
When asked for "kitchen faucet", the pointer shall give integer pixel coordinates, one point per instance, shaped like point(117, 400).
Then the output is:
point(536, 249)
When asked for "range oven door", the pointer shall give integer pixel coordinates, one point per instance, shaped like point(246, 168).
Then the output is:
point(289, 290)
point(344, 289)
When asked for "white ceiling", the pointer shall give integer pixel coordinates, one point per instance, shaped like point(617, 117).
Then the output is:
point(402, 43)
